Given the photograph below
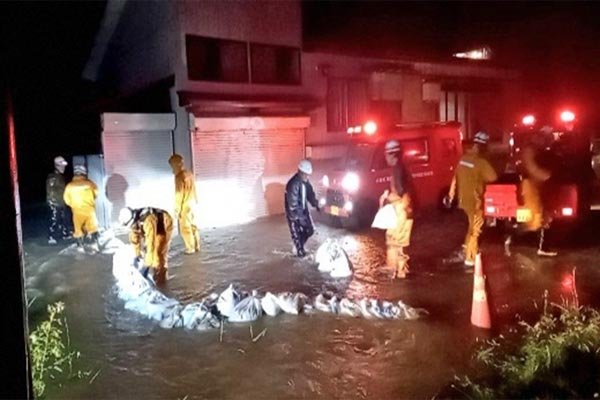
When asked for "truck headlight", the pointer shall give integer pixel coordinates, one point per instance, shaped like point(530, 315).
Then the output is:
point(325, 181)
point(351, 182)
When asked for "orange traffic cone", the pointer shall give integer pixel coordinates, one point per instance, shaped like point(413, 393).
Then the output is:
point(480, 311)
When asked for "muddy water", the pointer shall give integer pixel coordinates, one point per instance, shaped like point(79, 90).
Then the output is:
point(305, 356)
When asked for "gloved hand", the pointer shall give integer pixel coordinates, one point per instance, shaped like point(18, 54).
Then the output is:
point(136, 262)
point(447, 202)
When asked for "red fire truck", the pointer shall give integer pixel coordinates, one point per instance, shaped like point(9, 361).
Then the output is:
point(565, 152)
point(431, 151)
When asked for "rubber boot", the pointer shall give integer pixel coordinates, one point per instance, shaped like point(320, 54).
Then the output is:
point(160, 276)
point(80, 247)
point(95, 246)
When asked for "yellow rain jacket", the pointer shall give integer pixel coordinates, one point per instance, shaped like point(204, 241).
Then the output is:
point(152, 232)
point(185, 201)
point(472, 174)
point(80, 194)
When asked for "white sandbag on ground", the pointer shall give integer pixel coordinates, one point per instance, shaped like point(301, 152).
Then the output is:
point(247, 310)
point(269, 305)
point(332, 258)
point(291, 303)
point(227, 301)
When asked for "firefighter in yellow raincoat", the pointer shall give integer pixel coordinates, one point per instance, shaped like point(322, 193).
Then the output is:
point(472, 174)
point(80, 194)
point(185, 202)
point(534, 179)
point(399, 196)
point(150, 235)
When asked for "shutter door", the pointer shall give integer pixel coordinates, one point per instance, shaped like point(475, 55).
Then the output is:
point(241, 174)
point(137, 170)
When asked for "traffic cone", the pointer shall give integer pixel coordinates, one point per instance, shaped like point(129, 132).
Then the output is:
point(480, 311)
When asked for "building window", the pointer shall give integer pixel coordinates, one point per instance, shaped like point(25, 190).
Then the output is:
point(210, 59)
point(275, 64)
point(347, 103)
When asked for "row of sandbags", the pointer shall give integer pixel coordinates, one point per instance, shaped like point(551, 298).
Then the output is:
point(140, 295)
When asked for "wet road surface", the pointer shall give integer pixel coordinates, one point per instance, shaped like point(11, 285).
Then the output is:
point(305, 356)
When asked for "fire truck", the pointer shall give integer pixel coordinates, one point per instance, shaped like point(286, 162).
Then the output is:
point(350, 193)
point(563, 150)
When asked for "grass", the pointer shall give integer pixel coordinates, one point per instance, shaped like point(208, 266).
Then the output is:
point(557, 357)
point(50, 349)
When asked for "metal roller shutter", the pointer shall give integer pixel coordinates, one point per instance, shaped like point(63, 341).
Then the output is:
point(137, 170)
point(241, 174)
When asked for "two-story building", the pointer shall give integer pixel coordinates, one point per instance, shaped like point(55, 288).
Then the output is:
point(227, 85)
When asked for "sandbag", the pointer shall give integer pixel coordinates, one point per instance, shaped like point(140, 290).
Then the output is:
point(323, 257)
point(385, 218)
point(332, 258)
point(227, 301)
point(247, 310)
point(291, 303)
point(348, 307)
point(269, 305)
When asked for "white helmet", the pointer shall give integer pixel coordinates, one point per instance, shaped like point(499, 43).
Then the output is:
point(392, 146)
point(59, 161)
point(79, 170)
point(125, 216)
point(305, 166)
point(481, 137)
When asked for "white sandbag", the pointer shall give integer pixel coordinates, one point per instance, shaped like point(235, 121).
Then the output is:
point(323, 257)
point(390, 310)
point(385, 218)
point(332, 258)
point(291, 303)
point(321, 303)
point(247, 310)
point(172, 318)
point(227, 301)
point(342, 267)
point(269, 304)
point(348, 307)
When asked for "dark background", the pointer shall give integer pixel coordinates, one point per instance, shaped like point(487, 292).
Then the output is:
point(45, 46)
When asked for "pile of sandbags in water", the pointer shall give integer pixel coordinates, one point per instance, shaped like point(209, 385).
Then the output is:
point(332, 258)
point(142, 296)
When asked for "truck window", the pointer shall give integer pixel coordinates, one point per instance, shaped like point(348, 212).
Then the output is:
point(359, 157)
point(415, 151)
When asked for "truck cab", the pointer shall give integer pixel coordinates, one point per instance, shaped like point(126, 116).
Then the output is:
point(431, 151)
point(565, 152)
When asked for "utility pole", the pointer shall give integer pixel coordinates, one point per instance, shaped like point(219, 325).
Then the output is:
point(14, 355)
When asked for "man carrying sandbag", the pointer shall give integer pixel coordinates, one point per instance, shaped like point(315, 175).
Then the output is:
point(397, 197)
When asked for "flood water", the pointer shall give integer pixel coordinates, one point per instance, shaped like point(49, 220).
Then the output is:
point(304, 356)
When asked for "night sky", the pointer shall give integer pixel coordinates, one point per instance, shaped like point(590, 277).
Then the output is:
point(45, 47)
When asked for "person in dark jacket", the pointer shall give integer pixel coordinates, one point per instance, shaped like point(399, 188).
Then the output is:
point(298, 195)
point(55, 188)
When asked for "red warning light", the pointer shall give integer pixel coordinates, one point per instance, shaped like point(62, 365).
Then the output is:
point(528, 120)
point(567, 116)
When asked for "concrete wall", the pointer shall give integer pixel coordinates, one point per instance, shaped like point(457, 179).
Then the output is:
point(265, 22)
point(414, 109)
point(143, 47)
